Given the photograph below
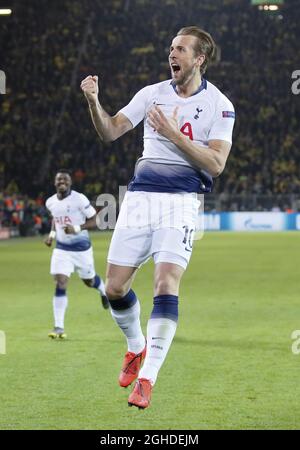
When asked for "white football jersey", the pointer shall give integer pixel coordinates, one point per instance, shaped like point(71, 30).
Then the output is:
point(71, 210)
point(206, 115)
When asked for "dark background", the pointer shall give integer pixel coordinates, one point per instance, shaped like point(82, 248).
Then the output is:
point(48, 47)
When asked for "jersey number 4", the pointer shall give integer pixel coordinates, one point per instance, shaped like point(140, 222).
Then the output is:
point(187, 130)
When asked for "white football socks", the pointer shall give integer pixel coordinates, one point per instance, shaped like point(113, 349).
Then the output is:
point(129, 322)
point(160, 334)
point(59, 308)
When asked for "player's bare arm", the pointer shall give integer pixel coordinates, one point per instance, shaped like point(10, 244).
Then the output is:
point(49, 239)
point(212, 159)
point(108, 128)
point(75, 229)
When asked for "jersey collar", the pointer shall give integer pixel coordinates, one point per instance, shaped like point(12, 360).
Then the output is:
point(60, 199)
point(202, 86)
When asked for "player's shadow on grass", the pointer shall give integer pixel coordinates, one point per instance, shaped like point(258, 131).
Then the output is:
point(241, 344)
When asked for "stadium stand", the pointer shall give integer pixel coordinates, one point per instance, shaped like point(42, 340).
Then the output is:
point(47, 48)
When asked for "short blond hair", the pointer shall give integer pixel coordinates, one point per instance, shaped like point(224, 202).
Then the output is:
point(205, 45)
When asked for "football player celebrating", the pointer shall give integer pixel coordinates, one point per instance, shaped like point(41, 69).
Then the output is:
point(72, 216)
point(188, 127)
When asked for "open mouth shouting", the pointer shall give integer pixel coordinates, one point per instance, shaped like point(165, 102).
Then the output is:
point(175, 68)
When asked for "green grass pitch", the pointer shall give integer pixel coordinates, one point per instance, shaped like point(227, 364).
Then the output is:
point(231, 364)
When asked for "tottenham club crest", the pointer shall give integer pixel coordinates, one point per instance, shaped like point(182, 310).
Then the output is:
point(196, 116)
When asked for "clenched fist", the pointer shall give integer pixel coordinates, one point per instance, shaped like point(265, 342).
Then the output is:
point(90, 88)
point(48, 241)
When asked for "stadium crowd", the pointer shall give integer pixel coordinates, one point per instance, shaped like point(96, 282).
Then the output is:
point(48, 49)
point(23, 215)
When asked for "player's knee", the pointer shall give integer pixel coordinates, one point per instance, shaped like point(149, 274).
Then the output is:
point(61, 281)
point(114, 290)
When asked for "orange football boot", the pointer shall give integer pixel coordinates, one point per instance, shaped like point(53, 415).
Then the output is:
point(131, 367)
point(141, 394)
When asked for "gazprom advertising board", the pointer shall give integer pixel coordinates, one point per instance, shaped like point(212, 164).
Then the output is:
point(251, 221)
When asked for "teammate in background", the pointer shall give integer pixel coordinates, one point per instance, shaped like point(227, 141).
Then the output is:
point(188, 127)
point(72, 216)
